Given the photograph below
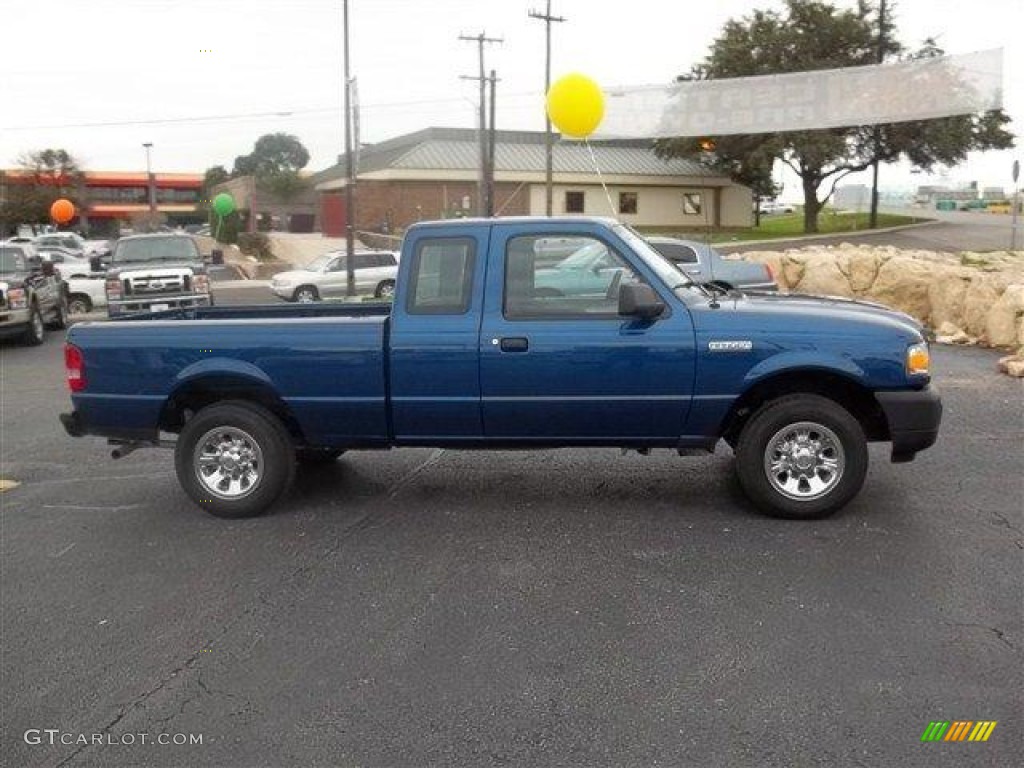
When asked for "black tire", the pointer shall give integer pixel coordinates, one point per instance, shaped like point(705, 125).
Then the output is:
point(60, 315)
point(316, 456)
point(35, 331)
point(276, 458)
point(79, 304)
point(385, 289)
point(306, 290)
point(787, 416)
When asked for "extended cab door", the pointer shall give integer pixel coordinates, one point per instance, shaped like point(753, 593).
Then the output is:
point(558, 363)
point(435, 332)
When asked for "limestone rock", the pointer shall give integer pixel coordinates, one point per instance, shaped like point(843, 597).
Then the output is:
point(1002, 323)
point(903, 284)
point(982, 294)
point(823, 278)
point(946, 296)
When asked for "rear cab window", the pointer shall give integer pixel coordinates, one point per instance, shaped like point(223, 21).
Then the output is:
point(441, 276)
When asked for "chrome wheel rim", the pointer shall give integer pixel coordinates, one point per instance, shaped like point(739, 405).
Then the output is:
point(77, 307)
point(228, 463)
point(387, 291)
point(804, 461)
point(305, 297)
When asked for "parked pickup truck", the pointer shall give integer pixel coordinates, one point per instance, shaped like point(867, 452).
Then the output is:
point(473, 355)
point(150, 273)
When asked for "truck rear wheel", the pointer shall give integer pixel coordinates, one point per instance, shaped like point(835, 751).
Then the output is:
point(234, 459)
point(801, 456)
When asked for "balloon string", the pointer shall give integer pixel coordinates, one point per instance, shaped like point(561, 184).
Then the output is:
point(600, 177)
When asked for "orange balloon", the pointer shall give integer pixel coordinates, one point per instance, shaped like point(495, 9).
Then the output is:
point(62, 211)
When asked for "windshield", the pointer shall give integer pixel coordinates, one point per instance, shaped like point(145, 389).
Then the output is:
point(664, 268)
point(12, 260)
point(156, 249)
point(318, 264)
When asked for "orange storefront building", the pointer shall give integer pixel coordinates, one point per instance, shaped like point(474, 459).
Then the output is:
point(108, 199)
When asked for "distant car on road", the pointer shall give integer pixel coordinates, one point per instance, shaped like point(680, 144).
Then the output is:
point(773, 206)
point(69, 241)
point(703, 264)
point(86, 293)
point(327, 275)
point(152, 273)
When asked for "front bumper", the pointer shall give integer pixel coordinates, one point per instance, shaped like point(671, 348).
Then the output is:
point(13, 322)
point(913, 417)
point(157, 304)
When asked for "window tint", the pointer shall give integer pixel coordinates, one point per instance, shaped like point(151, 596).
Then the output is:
point(676, 252)
point(692, 205)
point(574, 202)
point(583, 284)
point(627, 202)
point(363, 260)
point(442, 276)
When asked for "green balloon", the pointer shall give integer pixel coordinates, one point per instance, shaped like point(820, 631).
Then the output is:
point(223, 204)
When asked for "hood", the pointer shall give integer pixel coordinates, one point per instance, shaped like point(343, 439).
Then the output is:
point(293, 275)
point(116, 270)
point(789, 311)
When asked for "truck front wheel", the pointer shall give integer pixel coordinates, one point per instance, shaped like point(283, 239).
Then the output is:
point(234, 459)
point(801, 456)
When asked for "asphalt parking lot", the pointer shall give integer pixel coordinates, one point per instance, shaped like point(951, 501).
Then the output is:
point(420, 607)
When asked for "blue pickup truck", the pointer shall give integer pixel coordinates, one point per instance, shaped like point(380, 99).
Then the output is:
point(481, 350)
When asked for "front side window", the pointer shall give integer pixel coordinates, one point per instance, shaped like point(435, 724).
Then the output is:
point(583, 284)
point(627, 202)
point(677, 253)
point(442, 276)
point(574, 202)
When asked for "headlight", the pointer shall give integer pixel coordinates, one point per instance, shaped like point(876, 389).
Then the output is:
point(113, 288)
point(918, 359)
point(201, 283)
point(16, 298)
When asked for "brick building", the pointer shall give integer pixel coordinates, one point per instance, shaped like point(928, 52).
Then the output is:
point(432, 174)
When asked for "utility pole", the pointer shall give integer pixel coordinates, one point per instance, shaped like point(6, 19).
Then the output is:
point(873, 216)
point(150, 191)
point(547, 18)
point(490, 149)
point(350, 239)
point(481, 39)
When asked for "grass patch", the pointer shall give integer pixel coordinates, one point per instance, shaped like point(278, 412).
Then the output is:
point(792, 225)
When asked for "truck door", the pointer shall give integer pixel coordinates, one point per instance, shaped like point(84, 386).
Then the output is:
point(558, 363)
point(434, 347)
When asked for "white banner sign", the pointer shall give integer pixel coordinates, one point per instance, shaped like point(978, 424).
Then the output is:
point(832, 98)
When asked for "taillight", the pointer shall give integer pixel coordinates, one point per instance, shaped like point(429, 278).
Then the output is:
point(74, 363)
point(113, 288)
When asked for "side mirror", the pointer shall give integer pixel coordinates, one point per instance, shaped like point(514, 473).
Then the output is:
point(217, 256)
point(47, 268)
point(639, 300)
point(96, 263)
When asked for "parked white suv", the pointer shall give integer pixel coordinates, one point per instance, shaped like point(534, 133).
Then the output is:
point(327, 276)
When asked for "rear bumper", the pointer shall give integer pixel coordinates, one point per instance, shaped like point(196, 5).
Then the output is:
point(72, 424)
point(914, 417)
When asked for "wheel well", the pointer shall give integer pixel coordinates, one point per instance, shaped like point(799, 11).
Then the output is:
point(196, 395)
point(854, 397)
point(83, 296)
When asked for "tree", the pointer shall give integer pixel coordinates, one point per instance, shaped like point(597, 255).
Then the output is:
point(273, 155)
point(42, 177)
point(810, 35)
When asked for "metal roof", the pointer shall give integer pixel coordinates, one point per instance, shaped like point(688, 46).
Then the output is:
point(457, 149)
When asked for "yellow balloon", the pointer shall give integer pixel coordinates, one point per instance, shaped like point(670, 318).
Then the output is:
point(575, 105)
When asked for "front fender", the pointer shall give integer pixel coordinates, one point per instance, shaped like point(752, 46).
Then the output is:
point(805, 360)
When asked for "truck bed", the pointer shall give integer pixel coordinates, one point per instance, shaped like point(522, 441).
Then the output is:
point(324, 362)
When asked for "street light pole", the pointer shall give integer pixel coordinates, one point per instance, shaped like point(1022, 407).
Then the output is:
point(150, 191)
point(350, 236)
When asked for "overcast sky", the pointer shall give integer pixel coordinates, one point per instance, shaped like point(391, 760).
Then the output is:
point(87, 75)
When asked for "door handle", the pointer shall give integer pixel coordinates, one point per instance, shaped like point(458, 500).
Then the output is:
point(515, 344)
